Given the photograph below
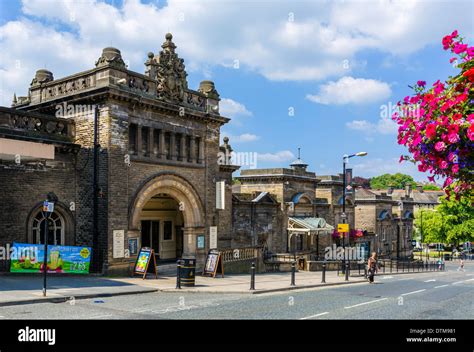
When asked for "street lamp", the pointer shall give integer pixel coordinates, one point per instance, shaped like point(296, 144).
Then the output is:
point(345, 160)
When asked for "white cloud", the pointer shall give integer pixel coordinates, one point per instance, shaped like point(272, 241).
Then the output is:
point(383, 126)
point(377, 166)
point(349, 90)
point(232, 108)
point(243, 138)
point(278, 157)
point(67, 36)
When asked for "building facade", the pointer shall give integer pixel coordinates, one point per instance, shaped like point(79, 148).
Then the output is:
point(151, 172)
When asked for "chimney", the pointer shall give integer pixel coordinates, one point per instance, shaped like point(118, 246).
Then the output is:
point(408, 190)
point(419, 188)
point(390, 190)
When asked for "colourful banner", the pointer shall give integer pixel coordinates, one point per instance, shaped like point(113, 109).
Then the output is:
point(28, 258)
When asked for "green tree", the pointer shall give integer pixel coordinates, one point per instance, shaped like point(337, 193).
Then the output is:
point(397, 180)
point(431, 187)
point(429, 223)
point(451, 222)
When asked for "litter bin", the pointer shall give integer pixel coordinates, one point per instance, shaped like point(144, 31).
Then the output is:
point(187, 272)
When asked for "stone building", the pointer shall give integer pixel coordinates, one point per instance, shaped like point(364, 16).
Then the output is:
point(158, 178)
point(300, 209)
point(387, 222)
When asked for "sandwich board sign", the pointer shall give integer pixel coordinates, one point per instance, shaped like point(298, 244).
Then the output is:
point(213, 264)
point(143, 262)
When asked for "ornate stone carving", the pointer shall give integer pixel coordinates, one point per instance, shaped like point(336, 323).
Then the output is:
point(111, 56)
point(42, 76)
point(169, 70)
point(208, 89)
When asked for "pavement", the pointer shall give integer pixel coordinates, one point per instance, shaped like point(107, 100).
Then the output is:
point(21, 289)
point(428, 295)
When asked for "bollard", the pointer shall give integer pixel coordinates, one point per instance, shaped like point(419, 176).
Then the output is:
point(252, 276)
point(178, 275)
point(358, 265)
point(397, 266)
point(383, 268)
point(347, 272)
point(391, 266)
point(323, 279)
point(293, 272)
point(365, 271)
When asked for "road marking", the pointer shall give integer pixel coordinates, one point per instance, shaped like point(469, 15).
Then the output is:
point(101, 316)
point(431, 280)
point(410, 293)
point(387, 277)
point(314, 316)
point(441, 286)
point(469, 280)
point(361, 304)
point(457, 282)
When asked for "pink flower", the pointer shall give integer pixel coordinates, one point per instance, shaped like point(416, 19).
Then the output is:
point(470, 51)
point(459, 48)
point(447, 41)
point(443, 164)
point(470, 132)
point(451, 60)
point(455, 168)
point(402, 158)
point(440, 146)
point(453, 138)
point(447, 182)
point(431, 179)
point(454, 34)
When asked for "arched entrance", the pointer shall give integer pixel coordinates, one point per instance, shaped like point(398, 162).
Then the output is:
point(166, 215)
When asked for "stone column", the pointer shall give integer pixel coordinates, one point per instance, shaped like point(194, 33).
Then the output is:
point(161, 151)
point(183, 148)
point(139, 141)
point(193, 149)
point(150, 142)
point(201, 150)
point(173, 145)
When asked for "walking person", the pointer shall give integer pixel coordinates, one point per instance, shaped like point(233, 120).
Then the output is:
point(461, 265)
point(372, 267)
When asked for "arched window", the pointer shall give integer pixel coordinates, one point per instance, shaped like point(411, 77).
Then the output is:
point(56, 228)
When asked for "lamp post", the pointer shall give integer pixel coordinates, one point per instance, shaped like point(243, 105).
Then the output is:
point(345, 160)
point(48, 208)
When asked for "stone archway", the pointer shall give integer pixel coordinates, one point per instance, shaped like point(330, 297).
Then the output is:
point(189, 201)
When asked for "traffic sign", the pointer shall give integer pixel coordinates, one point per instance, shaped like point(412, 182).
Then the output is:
point(342, 227)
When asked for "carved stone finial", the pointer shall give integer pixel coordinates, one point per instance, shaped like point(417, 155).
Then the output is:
point(42, 76)
point(111, 56)
point(14, 99)
point(208, 89)
point(226, 140)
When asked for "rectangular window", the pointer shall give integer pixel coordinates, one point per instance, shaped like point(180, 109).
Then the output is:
point(177, 145)
point(167, 230)
point(132, 139)
point(188, 149)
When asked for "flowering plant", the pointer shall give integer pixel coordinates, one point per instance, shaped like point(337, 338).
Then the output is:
point(437, 124)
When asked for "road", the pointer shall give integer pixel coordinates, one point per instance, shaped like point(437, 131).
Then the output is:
point(431, 295)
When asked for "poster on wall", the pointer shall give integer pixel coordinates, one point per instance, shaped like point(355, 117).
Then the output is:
point(119, 243)
point(28, 258)
point(213, 237)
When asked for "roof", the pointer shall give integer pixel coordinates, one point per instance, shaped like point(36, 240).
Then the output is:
point(311, 224)
point(425, 197)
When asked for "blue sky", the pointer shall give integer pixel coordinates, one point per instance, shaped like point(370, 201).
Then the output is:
point(335, 64)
